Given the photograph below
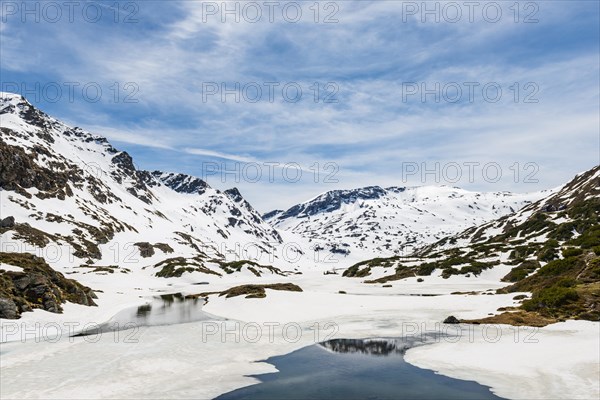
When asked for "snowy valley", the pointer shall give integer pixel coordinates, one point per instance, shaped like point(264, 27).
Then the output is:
point(86, 236)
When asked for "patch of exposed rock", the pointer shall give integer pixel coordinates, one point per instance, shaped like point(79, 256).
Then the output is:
point(37, 286)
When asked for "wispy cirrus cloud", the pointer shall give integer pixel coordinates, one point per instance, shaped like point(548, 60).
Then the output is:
point(371, 53)
point(218, 154)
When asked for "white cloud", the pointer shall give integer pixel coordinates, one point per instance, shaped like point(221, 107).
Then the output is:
point(369, 53)
point(218, 154)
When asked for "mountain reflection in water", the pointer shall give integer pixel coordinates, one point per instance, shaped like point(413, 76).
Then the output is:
point(375, 347)
point(348, 369)
point(166, 309)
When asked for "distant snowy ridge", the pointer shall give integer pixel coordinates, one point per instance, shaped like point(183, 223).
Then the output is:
point(393, 220)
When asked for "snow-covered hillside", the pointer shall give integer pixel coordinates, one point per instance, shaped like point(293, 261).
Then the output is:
point(116, 237)
point(78, 201)
point(550, 248)
point(73, 199)
point(529, 223)
point(394, 220)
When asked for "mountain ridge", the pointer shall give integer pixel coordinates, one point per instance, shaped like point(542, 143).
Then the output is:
point(42, 159)
point(550, 248)
point(397, 216)
point(85, 210)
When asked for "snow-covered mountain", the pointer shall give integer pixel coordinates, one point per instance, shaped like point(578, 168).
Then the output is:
point(71, 192)
point(82, 207)
point(394, 220)
point(550, 248)
point(535, 222)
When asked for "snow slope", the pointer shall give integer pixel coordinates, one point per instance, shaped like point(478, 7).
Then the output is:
point(86, 206)
point(80, 191)
point(205, 359)
point(395, 220)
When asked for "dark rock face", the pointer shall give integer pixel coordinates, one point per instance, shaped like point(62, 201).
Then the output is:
point(37, 286)
point(29, 114)
point(332, 201)
point(181, 183)
point(8, 309)
point(574, 193)
point(337, 250)
point(125, 163)
point(146, 249)
point(126, 169)
point(234, 194)
point(19, 170)
point(165, 248)
point(451, 320)
point(7, 222)
point(188, 184)
point(271, 214)
point(396, 189)
point(232, 221)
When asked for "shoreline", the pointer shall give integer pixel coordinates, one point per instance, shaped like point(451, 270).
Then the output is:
point(191, 361)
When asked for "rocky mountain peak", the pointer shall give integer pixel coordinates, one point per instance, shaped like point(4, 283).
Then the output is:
point(181, 183)
point(234, 194)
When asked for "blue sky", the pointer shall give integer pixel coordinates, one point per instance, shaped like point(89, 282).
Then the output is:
point(169, 53)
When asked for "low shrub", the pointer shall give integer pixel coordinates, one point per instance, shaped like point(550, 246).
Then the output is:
point(552, 297)
point(571, 252)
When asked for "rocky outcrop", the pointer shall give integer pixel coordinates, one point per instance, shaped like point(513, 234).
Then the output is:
point(333, 200)
point(181, 183)
point(451, 320)
point(146, 249)
point(252, 291)
point(7, 222)
point(125, 171)
point(234, 194)
point(37, 286)
point(19, 170)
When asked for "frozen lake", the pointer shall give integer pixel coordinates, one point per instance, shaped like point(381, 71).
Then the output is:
point(355, 369)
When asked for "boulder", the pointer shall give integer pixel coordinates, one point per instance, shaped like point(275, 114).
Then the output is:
point(8, 309)
point(451, 320)
point(7, 222)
